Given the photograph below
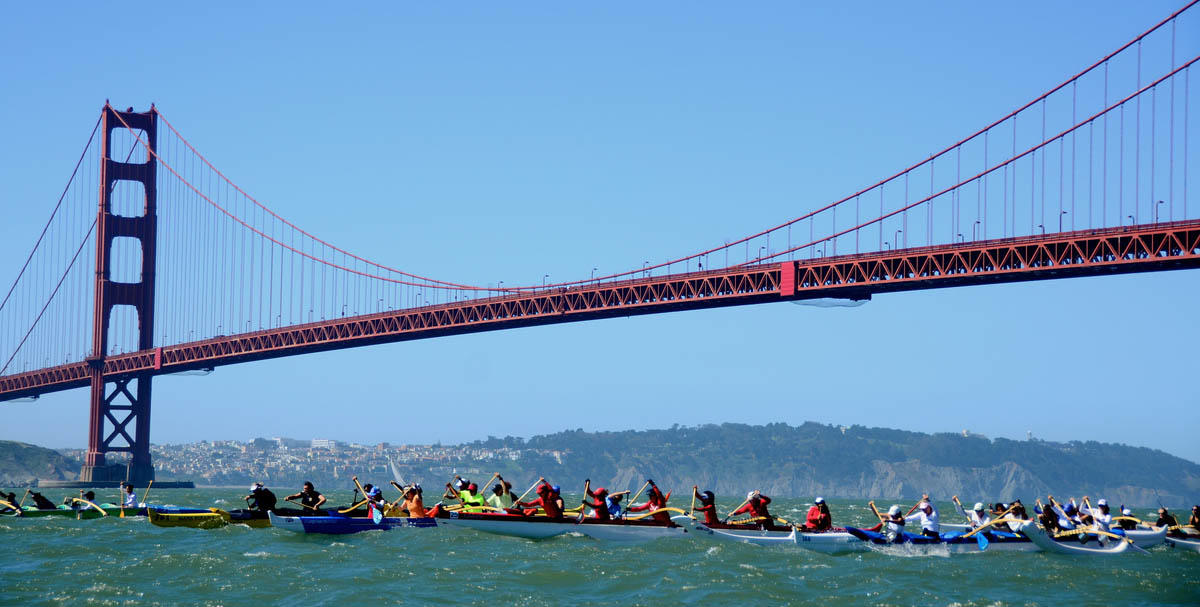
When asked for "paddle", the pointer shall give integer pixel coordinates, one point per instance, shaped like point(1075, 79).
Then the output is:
point(692, 510)
point(587, 487)
point(78, 513)
point(739, 506)
point(121, 502)
point(639, 492)
point(539, 481)
point(376, 515)
point(876, 511)
point(22, 502)
point(961, 507)
point(302, 505)
point(146, 495)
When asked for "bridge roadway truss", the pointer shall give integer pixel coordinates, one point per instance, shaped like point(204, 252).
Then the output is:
point(1144, 248)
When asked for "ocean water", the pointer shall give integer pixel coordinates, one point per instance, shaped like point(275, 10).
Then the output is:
point(113, 561)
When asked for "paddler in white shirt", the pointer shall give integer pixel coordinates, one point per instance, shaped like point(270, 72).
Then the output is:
point(928, 515)
point(1101, 516)
point(129, 497)
point(977, 517)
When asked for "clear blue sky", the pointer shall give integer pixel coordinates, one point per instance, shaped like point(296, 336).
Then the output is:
point(504, 143)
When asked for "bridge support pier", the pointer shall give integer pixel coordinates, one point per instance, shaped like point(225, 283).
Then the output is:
point(120, 407)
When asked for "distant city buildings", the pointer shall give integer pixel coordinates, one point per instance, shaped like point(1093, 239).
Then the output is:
point(327, 462)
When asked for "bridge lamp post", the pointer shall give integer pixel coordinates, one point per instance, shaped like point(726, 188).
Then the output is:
point(897, 238)
point(961, 238)
point(645, 272)
point(1060, 219)
point(760, 253)
point(1132, 221)
point(974, 226)
point(544, 277)
point(594, 273)
point(1156, 210)
point(1043, 228)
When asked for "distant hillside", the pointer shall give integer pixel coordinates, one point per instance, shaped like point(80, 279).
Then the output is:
point(815, 459)
point(21, 464)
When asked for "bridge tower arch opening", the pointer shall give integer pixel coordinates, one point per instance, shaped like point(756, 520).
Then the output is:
point(120, 407)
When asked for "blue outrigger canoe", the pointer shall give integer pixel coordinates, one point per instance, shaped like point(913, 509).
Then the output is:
point(342, 525)
point(954, 541)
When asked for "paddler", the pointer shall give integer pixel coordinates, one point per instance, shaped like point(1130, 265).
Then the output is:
point(310, 498)
point(708, 505)
point(928, 515)
point(1101, 517)
point(501, 497)
point(263, 499)
point(756, 507)
point(818, 518)
point(547, 500)
point(1165, 518)
point(893, 525)
point(595, 499)
point(1127, 523)
point(1194, 522)
point(977, 517)
point(40, 501)
point(1048, 518)
point(471, 499)
point(128, 497)
point(613, 503)
point(412, 501)
point(655, 501)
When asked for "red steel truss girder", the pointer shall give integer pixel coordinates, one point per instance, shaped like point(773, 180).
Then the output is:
point(1083, 253)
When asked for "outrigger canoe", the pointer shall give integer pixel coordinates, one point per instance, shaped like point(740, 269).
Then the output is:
point(1072, 545)
point(954, 542)
point(88, 512)
point(342, 525)
point(539, 527)
point(1144, 538)
point(1184, 543)
point(212, 518)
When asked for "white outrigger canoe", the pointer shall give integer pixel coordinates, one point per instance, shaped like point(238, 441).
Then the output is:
point(1184, 543)
point(1147, 538)
point(1043, 540)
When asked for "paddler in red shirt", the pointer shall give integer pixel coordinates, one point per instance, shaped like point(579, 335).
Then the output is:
point(546, 500)
point(819, 518)
point(596, 501)
point(756, 507)
point(655, 501)
point(708, 505)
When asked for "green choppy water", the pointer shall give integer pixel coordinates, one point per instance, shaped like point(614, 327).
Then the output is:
point(55, 561)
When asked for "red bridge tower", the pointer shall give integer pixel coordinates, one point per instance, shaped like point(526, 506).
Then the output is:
point(120, 412)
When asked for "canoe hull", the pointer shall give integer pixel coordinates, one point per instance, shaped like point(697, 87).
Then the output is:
point(193, 520)
point(952, 543)
point(1147, 538)
point(1048, 544)
point(1183, 543)
point(343, 525)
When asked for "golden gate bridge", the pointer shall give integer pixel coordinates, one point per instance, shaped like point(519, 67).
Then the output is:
point(154, 262)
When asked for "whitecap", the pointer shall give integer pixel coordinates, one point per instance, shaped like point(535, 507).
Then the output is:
point(260, 553)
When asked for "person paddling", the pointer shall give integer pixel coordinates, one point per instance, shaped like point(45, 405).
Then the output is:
point(547, 500)
point(1194, 521)
point(310, 498)
point(818, 517)
point(655, 501)
point(1165, 518)
point(595, 499)
point(260, 498)
point(977, 517)
point(756, 506)
point(707, 507)
point(892, 525)
point(128, 497)
point(413, 502)
point(928, 516)
point(501, 497)
point(1126, 522)
point(40, 502)
point(1101, 517)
